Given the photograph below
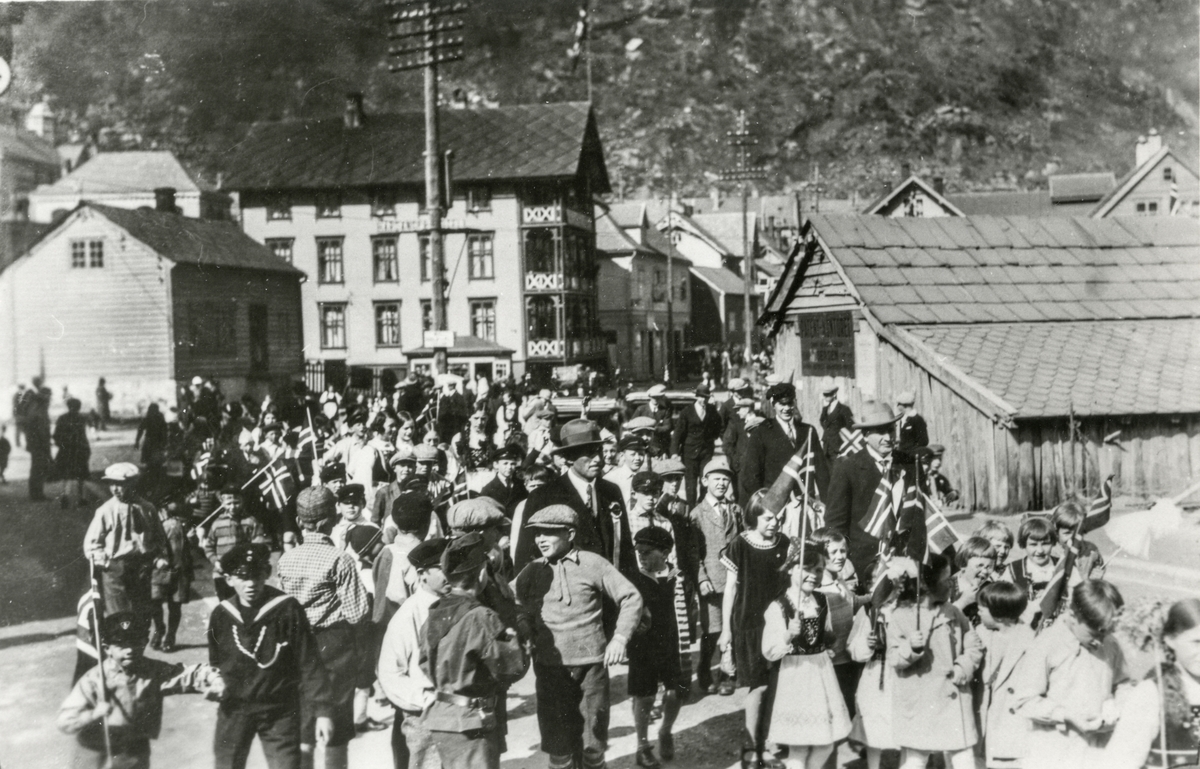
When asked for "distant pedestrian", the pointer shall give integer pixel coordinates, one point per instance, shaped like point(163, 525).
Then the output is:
point(70, 435)
point(5, 450)
point(171, 587)
point(103, 399)
point(37, 439)
point(152, 437)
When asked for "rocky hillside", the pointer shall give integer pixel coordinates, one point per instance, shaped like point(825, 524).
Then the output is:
point(986, 93)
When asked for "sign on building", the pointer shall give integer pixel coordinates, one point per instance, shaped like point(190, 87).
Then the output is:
point(827, 344)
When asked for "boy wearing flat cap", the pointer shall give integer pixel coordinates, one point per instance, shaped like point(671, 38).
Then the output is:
point(128, 695)
point(326, 583)
point(566, 591)
point(262, 643)
point(471, 657)
point(400, 675)
point(125, 542)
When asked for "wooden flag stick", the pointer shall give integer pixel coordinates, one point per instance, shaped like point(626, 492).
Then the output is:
point(97, 602)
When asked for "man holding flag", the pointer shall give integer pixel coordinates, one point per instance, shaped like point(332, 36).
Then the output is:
point(773, 443)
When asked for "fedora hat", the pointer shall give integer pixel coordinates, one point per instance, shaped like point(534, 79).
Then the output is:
point(578, 433)
point(875, 414)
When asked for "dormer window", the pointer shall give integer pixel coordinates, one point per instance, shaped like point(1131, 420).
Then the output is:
point(383, 205)
point(279, 208)
point(329, 206)
point(479, 198)
point(1168, 174)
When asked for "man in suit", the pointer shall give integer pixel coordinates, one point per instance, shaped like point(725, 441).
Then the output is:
point(733, 440)
point(835, 416)
point(715, 521)
point(603, 525)
point(506, 488)
point(772, 444)
point(696, 431)
point(738, 388)
point(911, 432)
point(658, 408)
point(852, 486)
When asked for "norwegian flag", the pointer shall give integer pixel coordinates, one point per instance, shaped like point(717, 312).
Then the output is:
point(425, 419)
point(1101, 508)
point(852, 442)
point(310, 438)
point(882, 522)
point(277, 486)
point(203, 461)
point(940, 535)
point(802, 465)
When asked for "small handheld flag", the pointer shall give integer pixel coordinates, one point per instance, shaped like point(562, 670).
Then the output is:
point(852, 442)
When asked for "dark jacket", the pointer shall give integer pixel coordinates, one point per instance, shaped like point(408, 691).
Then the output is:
point(508, 496)
point(913, 434)
point(848, 507)
point(832, 423)
point(594, 536)
point(664, 425)
point(733, 440)
point(768, 449)
point(694, 440)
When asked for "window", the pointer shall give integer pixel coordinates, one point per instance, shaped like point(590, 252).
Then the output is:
point(78, 254)
point(329, 205)
point(541, 316)
point(479, 198)
point(426, 267)
point(1147, 209)
point(279, 208)
point(281, 247)
point(383, 204)
point(483, 319)
point(1168, 174)
point(541, 246)
point(329, 260)
point(333, 326)
point(387, 324)
point(95, 253)
point(427, 315)
point(479, 252)
point(384, 256)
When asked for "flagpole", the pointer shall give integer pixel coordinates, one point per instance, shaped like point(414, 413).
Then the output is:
point(917, 480)
point(804, 501)
point(587, 49)
point(97, 605)
point(313, 430)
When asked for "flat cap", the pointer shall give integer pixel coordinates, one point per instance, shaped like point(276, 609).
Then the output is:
point(669, 466)
point(718, 465)
point(737, 384)
point(646, 482)
point(476, 513)
point(554, 517)
point(932, 450)
point(702, 390)
point(631, 443)
point(428, 554)
point(247, 560)
point(121, 472)
point(334, 471)
point(464, 555)
point(127, 629)
point(656, 537)
point(352, 493)
point(906, 398)
point(425, 453)
point(411, 511)
point(230, 487)
point(315, 504)
point(403, 456)
point(657, 391)
point(744, 402)
point(637, 424)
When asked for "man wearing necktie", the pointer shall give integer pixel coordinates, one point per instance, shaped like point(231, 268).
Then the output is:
point(603, 524)
point(715, 521)
point(696, 433)
point(125, 542)
point(773, 443)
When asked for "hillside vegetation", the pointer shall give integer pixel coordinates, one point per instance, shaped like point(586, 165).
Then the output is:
point(987, 93)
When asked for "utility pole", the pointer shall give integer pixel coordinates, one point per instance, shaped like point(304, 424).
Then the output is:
point(429, 31)
point(741, 140)
point(670, 377)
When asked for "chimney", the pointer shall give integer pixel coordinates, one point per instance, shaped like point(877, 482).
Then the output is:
point(164, 200)
point(354, 116)
point(905, 170)
point(939, 185)
point(1146, 147)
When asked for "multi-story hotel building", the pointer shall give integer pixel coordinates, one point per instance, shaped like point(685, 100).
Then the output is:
point(343, 199)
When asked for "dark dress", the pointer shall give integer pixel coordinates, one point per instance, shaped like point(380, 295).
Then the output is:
point(759, 582)
point(70, 435)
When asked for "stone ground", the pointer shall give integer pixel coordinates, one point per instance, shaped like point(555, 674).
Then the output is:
point(44, 573)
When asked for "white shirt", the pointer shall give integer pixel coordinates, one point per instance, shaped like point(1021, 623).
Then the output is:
point(583, 487)
point(789, 429)
point(399, 670)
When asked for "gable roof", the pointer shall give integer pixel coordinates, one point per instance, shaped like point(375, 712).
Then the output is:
point(611, 238)
point(1003, 203)
point(27, 145)
point(199, 242)
point(987, 269)
point(124, 173)
point(1132, 179)
point(891, 195)
point(16, 238)
point(527, 141)
point(1080, 188)
point(726, 229)
point(1090, 368)
point(721, 279)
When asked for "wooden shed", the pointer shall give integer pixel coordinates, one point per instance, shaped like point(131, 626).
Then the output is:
point(148, 299)
point(1010, 330)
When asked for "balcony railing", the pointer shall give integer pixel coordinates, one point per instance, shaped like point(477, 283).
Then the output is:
point(570, 349)
point(554, 213)
point(545, 348)
point(543, 281)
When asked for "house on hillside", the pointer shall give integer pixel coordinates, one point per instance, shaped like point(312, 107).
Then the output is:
point(26, 161)
point(1009, 330)
point(634, 285)
point(148, 299)
point(1159, 185)
point(914, 197)
point(129, 180)
point(343, 199)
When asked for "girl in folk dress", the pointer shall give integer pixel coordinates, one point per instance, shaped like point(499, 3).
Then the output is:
point(935, 652)
point(797, 638)
point(753, 561)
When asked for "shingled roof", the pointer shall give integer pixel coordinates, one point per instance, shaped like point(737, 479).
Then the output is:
point(194, 241)
point(985, 269)
point(528, 141)
point(1091, 368)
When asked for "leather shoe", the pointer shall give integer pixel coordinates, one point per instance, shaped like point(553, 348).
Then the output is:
point(725, 688)
point(646, 759)
point(666, 746)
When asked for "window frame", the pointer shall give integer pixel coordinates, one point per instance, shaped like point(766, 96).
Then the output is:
point(472, 240)
point(323, 330)
point(376, 242)
point(79, 259)
point(479, 303)
point(426, 315)
point(424, 257)
point(95, 252)
point(478, 197)
point(383, 205)
point(279, 208)
point(322, 261)
point(328, 205)
point(377, 308)
point(1168, 174)
point(271, 243)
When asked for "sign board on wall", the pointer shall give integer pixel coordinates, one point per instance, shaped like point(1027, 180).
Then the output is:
point(438, 339)
point(827, 344)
